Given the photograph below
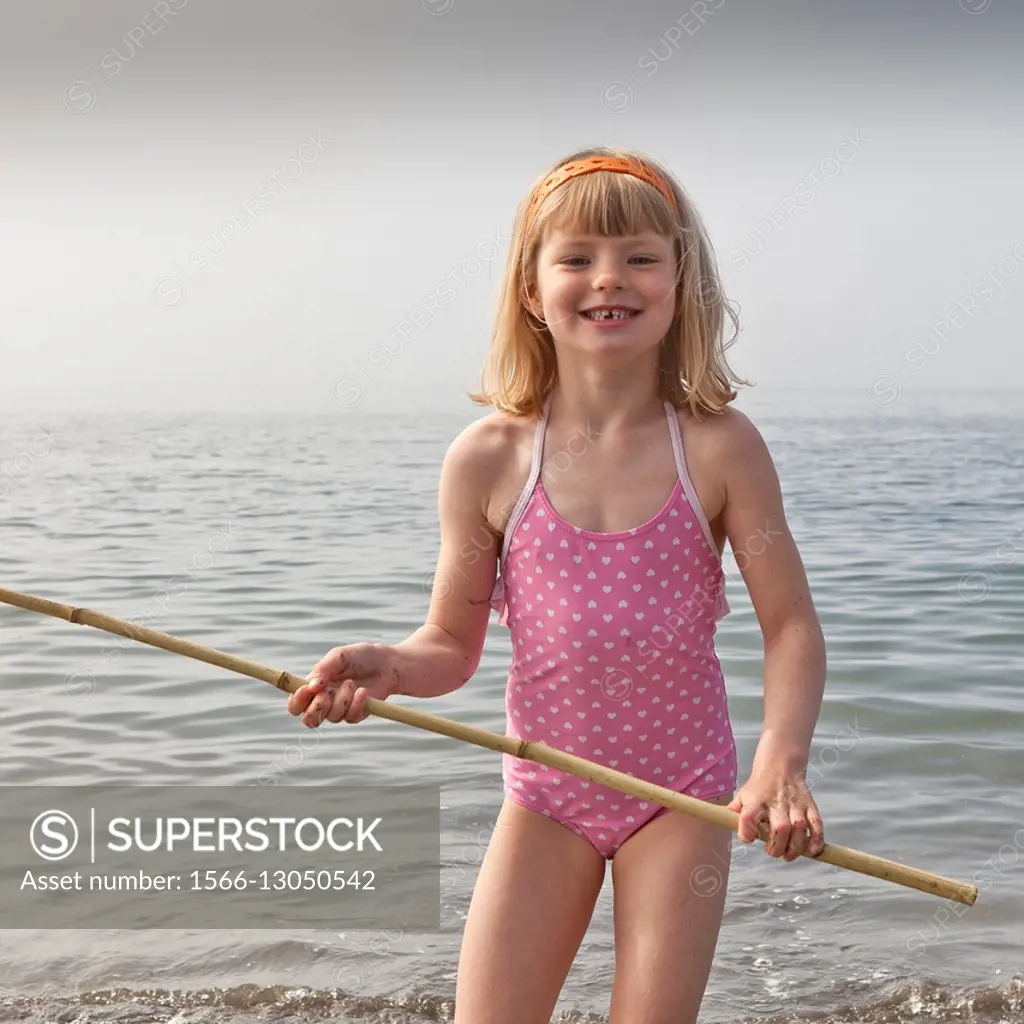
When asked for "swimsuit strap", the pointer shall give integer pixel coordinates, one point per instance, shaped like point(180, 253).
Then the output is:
point(531, 483)
point(684, 475)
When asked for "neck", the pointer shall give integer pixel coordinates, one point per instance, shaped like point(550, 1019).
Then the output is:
point(605, 400)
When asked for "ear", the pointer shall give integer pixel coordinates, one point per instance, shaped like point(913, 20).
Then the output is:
point(531, 304)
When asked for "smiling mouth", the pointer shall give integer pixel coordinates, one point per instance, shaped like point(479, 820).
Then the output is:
point(601, 315)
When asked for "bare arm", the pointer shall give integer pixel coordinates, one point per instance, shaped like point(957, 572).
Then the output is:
point(445, 652)
point(794, 647)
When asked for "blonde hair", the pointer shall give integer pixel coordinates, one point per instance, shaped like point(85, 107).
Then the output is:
point(520, 370)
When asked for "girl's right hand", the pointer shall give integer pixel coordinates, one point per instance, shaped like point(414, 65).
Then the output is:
point(342, 680)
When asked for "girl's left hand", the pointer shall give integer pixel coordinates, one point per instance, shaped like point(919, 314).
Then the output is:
point(780, 796)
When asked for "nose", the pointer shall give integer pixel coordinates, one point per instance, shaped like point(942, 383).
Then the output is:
point(608, 276)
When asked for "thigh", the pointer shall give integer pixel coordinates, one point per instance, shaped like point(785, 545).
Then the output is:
point(670, 882)
point(531, 906)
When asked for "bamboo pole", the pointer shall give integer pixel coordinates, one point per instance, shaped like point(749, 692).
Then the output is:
point(838, 856)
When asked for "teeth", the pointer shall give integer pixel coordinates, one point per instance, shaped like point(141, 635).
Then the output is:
point(606, 314)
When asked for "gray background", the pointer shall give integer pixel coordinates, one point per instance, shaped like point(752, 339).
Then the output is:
point(442, 113)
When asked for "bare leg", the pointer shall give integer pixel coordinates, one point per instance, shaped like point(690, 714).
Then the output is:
point(670, 882)
point(531, 907)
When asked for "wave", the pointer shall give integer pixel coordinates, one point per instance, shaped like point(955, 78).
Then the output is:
point(907, 1004)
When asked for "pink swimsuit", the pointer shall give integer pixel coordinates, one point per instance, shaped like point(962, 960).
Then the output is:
point(613, 656)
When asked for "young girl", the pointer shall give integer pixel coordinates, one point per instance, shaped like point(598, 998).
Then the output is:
point(610, 391)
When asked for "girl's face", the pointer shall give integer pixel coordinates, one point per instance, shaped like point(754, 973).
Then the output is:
point(579, 274)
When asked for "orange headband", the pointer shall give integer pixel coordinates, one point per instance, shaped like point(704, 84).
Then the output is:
point(624, 165)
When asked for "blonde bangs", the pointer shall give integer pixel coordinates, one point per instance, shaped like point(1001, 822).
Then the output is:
point(521, 369)
point(609, 204)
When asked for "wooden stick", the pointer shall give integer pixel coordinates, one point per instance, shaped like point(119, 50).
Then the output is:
point(838, 856)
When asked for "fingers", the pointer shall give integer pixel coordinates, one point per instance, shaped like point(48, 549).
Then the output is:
point(328, 695)
point(357, 710)
point(317, 703)
point(781, 829)
point(300, 700)
point(796, 830)
point(816, 842)
point(309, 699)
point(797, 836)
point(808, 832)
point(319, 707)
point(750, 817)
point(344, 709)
point(784, 803)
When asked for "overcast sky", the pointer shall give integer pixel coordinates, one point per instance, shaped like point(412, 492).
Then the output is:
point(236, 205)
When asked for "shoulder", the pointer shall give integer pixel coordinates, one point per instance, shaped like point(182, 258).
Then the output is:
point(486, 442)
point(727, 455)
point(486, 455)
point(729, 434)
